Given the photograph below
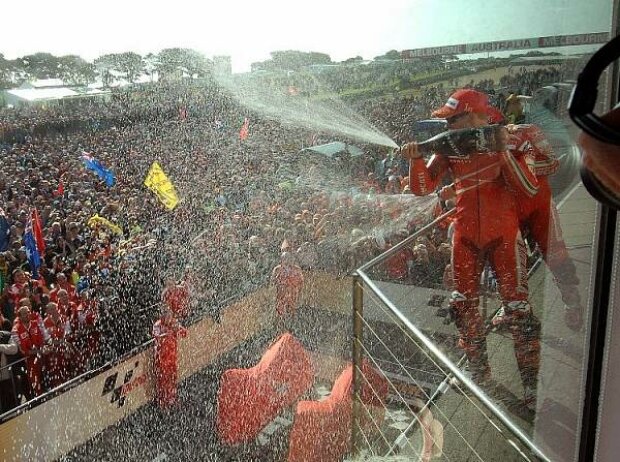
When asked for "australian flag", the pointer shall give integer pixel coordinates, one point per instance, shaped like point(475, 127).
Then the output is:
point(93, 164)
point(34, 258)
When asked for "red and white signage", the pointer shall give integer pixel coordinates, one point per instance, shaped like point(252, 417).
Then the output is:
point(506, 45)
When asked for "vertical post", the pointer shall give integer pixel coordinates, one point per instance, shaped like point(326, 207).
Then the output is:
point(356, 353)
point(15, 403)
point(483, 292)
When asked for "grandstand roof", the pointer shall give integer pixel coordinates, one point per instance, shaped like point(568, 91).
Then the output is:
point(90, 91)
point(42, 94)
point(34, 95)
point(43, 83)
point(336, 147)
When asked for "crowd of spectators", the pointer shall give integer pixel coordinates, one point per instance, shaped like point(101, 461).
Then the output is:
point(239, 210)
point(242, 205)
point(526, 82)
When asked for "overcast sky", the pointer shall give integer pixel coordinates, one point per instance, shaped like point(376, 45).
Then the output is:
point(249, 30)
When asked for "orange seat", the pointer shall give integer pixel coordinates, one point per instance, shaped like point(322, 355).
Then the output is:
point(322, 429)
point(248, 399)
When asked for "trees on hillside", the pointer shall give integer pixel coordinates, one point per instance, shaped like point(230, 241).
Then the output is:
point(131, 64)
point(70, 68)
point(41, 66)
point(75, 70)
point(106, 65)
point(356, 59)
point(392, 54)
point(128, 64)
point(5, 72)
point(175, 63)
point(292, 60)
point(174, 60)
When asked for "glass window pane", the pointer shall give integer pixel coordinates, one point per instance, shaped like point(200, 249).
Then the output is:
point(233, 165)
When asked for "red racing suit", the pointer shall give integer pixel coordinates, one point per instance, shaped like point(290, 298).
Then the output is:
point(486, 229)
point(31, 338)
point(165, 332)
point(539, 215)
point(84, 336)
point(57, 361)
point(177, 299)
point(289, 282)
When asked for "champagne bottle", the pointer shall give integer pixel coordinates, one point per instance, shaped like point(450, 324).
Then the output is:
point(465, 141)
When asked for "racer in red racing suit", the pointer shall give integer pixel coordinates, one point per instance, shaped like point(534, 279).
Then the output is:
point(486, 228)
point(166, 332)
point(539, 216)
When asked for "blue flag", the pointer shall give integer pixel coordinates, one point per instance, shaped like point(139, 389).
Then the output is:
point(34, 259)
point(93, 164)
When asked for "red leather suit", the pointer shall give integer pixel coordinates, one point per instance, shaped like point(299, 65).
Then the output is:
point(31, 337)
point(165, 332)
point(539, 215)
point(486, 229)
point(57, 361)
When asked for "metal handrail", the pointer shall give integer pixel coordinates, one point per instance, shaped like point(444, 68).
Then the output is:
point(453, 368)
point(455, 371)
point(392, 250)
point(360, 274)
point(60, 389)
point(10, 365)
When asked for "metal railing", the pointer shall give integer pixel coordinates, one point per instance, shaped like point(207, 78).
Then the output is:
point(424, 419)
point(8, 370)
point(68, 385)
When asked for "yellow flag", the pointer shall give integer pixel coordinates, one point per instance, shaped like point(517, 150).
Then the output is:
point(157, 181)
point(97, 220)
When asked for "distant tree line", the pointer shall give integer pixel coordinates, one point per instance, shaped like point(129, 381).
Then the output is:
point(75, 70)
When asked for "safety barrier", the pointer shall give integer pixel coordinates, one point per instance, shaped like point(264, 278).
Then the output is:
point(433, 409)
point(12, 370)
point(66, 417)
point(20, 364)
point(51, 425)
point(195, 317)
